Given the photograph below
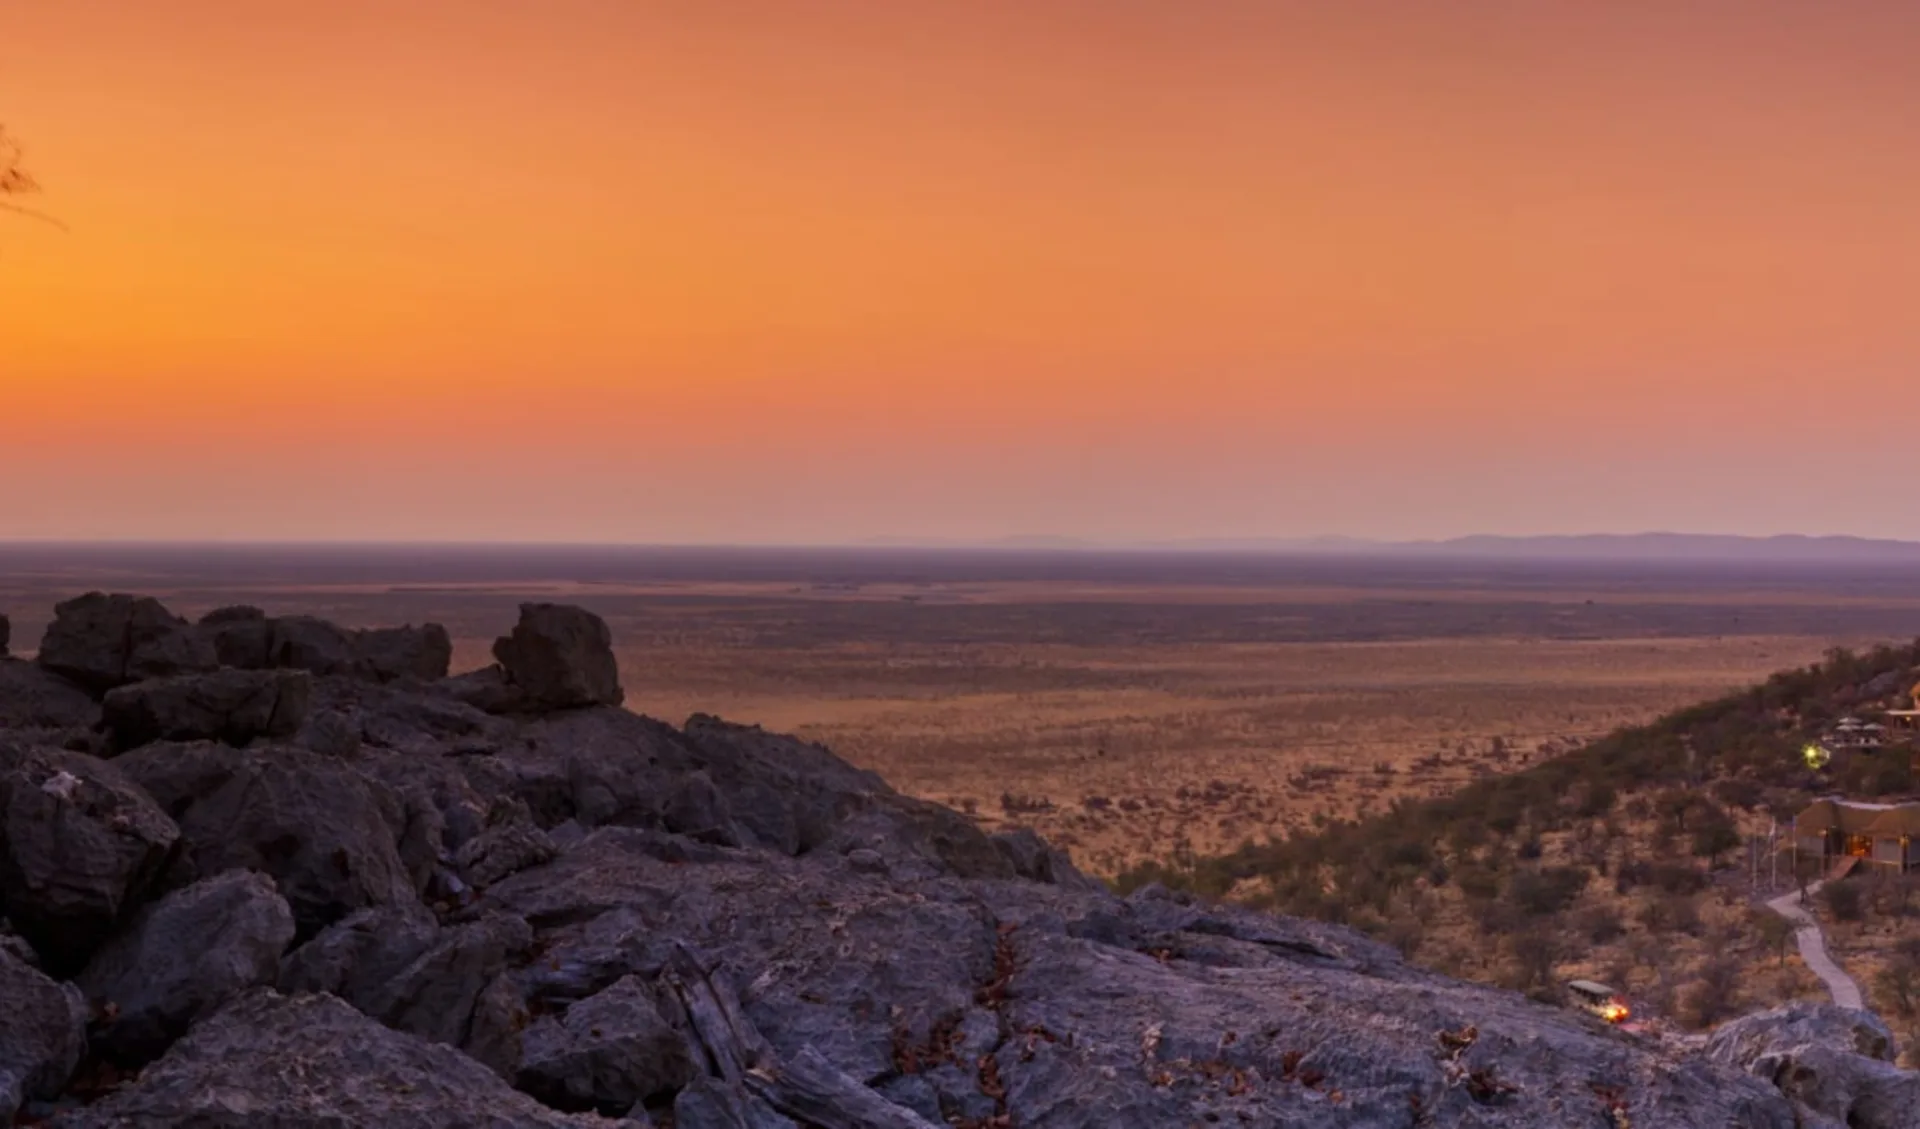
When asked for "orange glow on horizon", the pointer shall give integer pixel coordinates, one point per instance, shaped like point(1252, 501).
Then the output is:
point(829, 269)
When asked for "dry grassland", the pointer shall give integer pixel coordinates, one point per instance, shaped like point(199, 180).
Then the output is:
point(1126, 753)
point(1131, 720)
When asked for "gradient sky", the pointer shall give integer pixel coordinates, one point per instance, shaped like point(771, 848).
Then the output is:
point(782, 270)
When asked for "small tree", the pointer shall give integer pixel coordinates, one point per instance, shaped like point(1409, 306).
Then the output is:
point(1714, 835)
point(1899, 980)
point(1776, 932)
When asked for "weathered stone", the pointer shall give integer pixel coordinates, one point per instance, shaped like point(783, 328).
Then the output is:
point(103, 641)
point(1034, 859)
point(1835, 1061)
point(839, 961)
point(329, 733)
point(319, 828)
point(503, 850)
point(183, 956)
point(233, 706)
point(82, 846)
point(242, 636)
point(697, 810)
point(358, 956)
point(1740, 1041)
point(440, 984)
point(791, 794)
point(497, 1027)
point(34, 698)
point(302, 642)
point(920, 840)
point(42, 1037)
point(267, 1061)
point(606, 1052)
point(387, 654)
point(560, 657)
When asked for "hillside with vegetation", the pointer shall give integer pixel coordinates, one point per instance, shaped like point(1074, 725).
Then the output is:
point(1630, 859)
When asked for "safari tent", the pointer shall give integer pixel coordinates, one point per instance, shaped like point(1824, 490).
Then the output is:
point(1881, 834)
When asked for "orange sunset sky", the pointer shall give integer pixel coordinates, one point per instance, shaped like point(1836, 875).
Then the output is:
point(784, 270)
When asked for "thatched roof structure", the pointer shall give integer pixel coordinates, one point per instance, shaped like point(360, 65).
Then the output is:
point(1879, 821)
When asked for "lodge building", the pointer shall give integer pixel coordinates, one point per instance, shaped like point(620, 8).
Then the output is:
point(1882, 835)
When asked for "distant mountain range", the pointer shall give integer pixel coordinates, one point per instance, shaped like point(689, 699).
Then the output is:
point(1591, 546)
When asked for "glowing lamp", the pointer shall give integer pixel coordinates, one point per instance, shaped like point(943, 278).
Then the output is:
point(1817, 756)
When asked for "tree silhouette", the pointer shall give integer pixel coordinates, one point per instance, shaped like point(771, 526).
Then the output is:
point(17, 181)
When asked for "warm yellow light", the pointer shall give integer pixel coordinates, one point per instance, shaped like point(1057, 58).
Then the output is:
point(1817, 756)
point(1615, 1012)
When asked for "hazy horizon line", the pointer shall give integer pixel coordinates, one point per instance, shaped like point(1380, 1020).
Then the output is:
point(1029, 542)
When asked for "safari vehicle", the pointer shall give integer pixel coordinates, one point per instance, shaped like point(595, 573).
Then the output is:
point(1600, 1000)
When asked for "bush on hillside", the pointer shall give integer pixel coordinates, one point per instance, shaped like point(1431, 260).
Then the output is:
point(1548, 890)
point(1844, 901)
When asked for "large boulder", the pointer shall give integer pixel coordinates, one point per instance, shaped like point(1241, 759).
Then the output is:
point(181, 957)
point(42, 1038)
point(608, 1052)
point(1833, 1060)
point(444, 985)
point(388, 654)
point(234, 706)
point(559, 657)
point(242, 636)
point(103, 641)
point(267, 1061)
point(322, 830)
point(302, 642)
point(1801, 1023)
point(33, 697)
point(80, 846)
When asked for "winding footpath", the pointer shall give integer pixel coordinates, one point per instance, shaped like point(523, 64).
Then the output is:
point(1813, 948)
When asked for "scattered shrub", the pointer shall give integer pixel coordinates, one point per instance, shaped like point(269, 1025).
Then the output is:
point(1713, 995)
point(1547, 890)
point(1843, 901)
point(1600, 924)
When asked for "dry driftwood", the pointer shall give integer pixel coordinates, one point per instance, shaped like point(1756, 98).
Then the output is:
point(806, 1087)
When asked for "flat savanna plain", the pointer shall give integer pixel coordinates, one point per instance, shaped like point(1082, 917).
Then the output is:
point(1129, 707)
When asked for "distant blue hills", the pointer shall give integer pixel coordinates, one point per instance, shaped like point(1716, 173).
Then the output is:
point(1586, 546)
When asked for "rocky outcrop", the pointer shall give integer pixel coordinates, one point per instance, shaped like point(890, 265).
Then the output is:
point(248, 639)
point(234, 706)
point(310, 1062)
point(1834, 1061)
point(716, 927)
point(444, 985)
point(103, 641)
point(80, 846)
point(42, 1037)
point(559, 657)
point(183, 956)
point(317, 826)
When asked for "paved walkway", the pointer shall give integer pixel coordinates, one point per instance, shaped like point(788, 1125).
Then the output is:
point(1813, 948)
